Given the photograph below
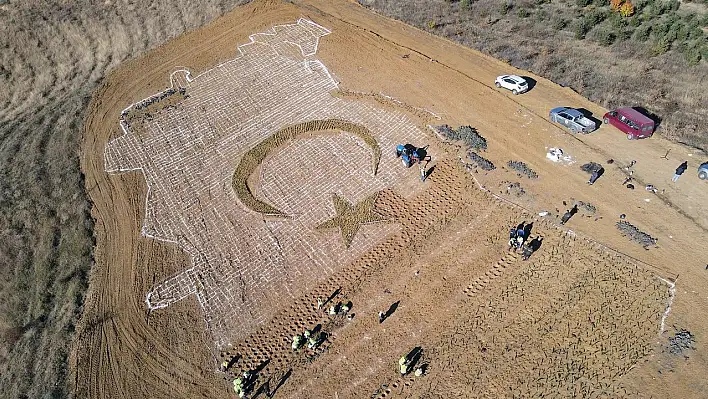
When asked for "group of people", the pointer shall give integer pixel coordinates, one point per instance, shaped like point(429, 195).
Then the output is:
point(597, 172)
point(243, 385)
point(409, 361)
point(518, 237)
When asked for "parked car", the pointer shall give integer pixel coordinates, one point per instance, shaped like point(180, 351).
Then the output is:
point(516, 84)
point(703, 171)
point(630, 121)
point(572, 119)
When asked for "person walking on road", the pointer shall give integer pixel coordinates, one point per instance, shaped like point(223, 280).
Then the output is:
point(679, 171)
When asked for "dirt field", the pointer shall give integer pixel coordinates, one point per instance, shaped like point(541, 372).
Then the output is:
point(194, 267)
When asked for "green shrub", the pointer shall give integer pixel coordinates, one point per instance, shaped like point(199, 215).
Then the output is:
point(540, 16)
point(695, 33)
point(559, 23)
point(691, 20)
point(651, 12)
point(596, 16)
point(522, 13)
point(693, 52)
point(505, 7)
point(582, 3)
point(660, 46)
point(582, 27)
point(625, 34)
point(642, 33)
point(605, 36)
point(660, 29)
point(465, 4)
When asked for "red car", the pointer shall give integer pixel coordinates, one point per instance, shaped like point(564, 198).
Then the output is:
point(632, 122)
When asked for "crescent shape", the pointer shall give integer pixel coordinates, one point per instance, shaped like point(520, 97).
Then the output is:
point(252, 159)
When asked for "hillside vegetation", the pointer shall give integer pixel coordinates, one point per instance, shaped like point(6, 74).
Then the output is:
point(53, 55)
point(646, 53)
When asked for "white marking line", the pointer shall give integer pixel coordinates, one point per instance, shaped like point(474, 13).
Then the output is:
point(672, 295)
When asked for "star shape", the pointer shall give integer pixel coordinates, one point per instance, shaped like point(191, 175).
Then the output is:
point(350, 217)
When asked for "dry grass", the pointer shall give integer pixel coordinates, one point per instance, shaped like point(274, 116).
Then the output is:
point(350, 217)
point(627, 72)
point(54, 54)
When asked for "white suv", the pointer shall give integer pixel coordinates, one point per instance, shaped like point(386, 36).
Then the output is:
point(516, 84)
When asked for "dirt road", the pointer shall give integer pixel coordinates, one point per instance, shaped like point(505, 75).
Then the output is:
point(468, 302)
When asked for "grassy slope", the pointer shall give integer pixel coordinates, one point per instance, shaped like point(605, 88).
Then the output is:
point(631, 68)
point(53, 55)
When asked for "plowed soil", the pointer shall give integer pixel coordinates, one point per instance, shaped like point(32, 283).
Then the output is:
point(585, 316)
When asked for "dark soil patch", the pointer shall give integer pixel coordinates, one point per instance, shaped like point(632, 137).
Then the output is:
point(466, 134)
point(522, 169)
point(591, 167)
point(682, 340)
point(635, 234)
point(480, 161)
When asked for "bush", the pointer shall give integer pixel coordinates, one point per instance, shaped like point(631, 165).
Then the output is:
point(583, 3)
point(616, 21)
point(582, 27)
point(605, 37)
point(541, 16)
point(594, 17)
point(505, 7)
point(465, 4)
point(642, 33)
point(693, 52)
point(559, 23)
point(522, 13)
point(695, 34)
point(660, 46)
point(625, 34)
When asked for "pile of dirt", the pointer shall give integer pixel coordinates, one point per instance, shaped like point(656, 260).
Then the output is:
point(466, 134)
point(591, 167)
point(522, 169)
point(682, 340)
point(635, 234)
point(480, 161)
